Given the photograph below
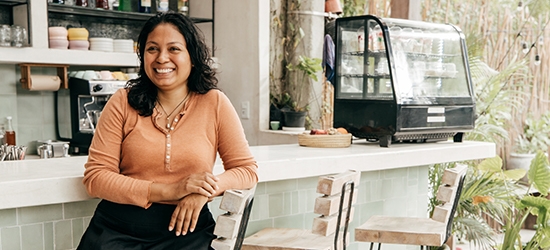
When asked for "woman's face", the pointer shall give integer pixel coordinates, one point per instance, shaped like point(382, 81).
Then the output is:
point(167, 61)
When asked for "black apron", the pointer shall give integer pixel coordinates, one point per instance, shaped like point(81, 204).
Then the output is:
point(128, 227)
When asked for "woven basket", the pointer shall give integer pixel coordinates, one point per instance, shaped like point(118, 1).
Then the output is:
point(325, 141)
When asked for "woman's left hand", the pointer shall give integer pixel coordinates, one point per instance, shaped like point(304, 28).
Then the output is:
point(186, 214)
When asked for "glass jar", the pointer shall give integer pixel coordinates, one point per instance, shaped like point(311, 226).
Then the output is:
point(5, 35)
point(145, 6)
point(162, 5)
point(183, 7)
point(18, 36)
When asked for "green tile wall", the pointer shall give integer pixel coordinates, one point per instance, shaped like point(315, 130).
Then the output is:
point(49, 227)
point(32, 111)
point(289, 203)
point(284, 204)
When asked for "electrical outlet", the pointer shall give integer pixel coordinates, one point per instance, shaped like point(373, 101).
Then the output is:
point(245, 110)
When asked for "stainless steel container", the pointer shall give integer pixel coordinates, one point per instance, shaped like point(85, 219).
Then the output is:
point(52, 148)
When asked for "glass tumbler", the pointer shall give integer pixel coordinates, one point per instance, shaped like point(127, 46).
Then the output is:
point(18, 36)
point(5, 35)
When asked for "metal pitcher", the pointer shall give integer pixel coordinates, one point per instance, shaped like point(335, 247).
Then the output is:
point(45, 151)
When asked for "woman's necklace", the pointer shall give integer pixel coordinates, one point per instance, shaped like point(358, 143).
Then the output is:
point(168, 124)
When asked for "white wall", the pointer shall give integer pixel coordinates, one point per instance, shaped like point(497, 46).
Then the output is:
point(241, 35)
point(242, 43)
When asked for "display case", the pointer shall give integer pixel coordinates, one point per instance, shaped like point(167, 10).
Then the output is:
point(402, 80)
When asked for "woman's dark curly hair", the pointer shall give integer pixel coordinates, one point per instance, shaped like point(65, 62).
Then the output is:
point(142, 94)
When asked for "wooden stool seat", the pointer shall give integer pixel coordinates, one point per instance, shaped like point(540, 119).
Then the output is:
point(335, 208)
point(287, 238)
point(402, 230)
point(433, 231)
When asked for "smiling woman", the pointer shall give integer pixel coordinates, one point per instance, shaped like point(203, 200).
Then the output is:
point(156, 197)
point(168, 63)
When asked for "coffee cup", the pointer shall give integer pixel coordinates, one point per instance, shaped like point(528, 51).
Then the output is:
point(91, 75)
point(79, 74)
point(106, 75)
point(274, 125)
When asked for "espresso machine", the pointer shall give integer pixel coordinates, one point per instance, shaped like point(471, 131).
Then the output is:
point(86, 99)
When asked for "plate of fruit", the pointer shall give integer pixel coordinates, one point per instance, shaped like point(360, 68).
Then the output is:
point(325, 138)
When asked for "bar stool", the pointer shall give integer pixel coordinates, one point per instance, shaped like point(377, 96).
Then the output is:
point(329, 230)
point(432, 231)
point(231, 226)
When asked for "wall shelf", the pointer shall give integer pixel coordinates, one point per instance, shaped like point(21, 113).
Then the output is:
point(37, 26)
point(85, 11)
point(12, 55)
point(112, 14)
point(12, 2)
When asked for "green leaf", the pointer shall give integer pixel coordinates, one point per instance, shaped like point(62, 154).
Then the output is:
point(545, 241)
point(515, 174)
point(302, 33)
point(539, 205)
point(539, 173)
point(492, 165)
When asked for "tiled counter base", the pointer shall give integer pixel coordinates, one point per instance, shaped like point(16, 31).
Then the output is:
point(44, 205)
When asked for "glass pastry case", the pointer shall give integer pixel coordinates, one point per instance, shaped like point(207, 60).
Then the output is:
point(402, 80)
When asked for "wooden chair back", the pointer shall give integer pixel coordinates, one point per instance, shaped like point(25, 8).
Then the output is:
point(231, 226)
point(335, 206)
point(448, 195)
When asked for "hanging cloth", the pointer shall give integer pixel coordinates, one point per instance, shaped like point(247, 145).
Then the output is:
point(328, 57)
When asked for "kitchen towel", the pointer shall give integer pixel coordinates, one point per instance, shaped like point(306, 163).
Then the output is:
point(44, 83)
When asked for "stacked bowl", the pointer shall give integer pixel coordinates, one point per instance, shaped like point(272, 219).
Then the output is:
point(123, 45)
point(101, 44)
point(78, 38)
point(58, 37)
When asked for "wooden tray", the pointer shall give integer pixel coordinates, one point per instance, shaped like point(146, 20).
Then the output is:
point(325, 141)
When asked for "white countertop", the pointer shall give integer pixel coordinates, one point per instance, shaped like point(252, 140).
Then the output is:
point(59, 180)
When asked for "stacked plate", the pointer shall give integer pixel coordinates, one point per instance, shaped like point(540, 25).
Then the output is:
point(101, 44)
point(123, 45)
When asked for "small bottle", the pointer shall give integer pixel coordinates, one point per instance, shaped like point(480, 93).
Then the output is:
point(145, 6)
point(125, 5)
point(102, 4)
point(83, 3)
point(162, 5)
point(2, 134)
point(183, 7)
point(10, 133)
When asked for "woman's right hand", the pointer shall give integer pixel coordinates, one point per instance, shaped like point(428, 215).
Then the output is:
point(202, 183)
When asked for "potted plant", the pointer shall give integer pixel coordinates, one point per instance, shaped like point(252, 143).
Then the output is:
point(526, 204)
point(534, 138)
point(492, 192)
point(292, 70)
point(535, 135)
point(298, 88)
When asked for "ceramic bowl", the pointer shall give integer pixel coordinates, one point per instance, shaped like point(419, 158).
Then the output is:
point(59, 43)
point(57, 32)
point(79, 44)
point(78, 33)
